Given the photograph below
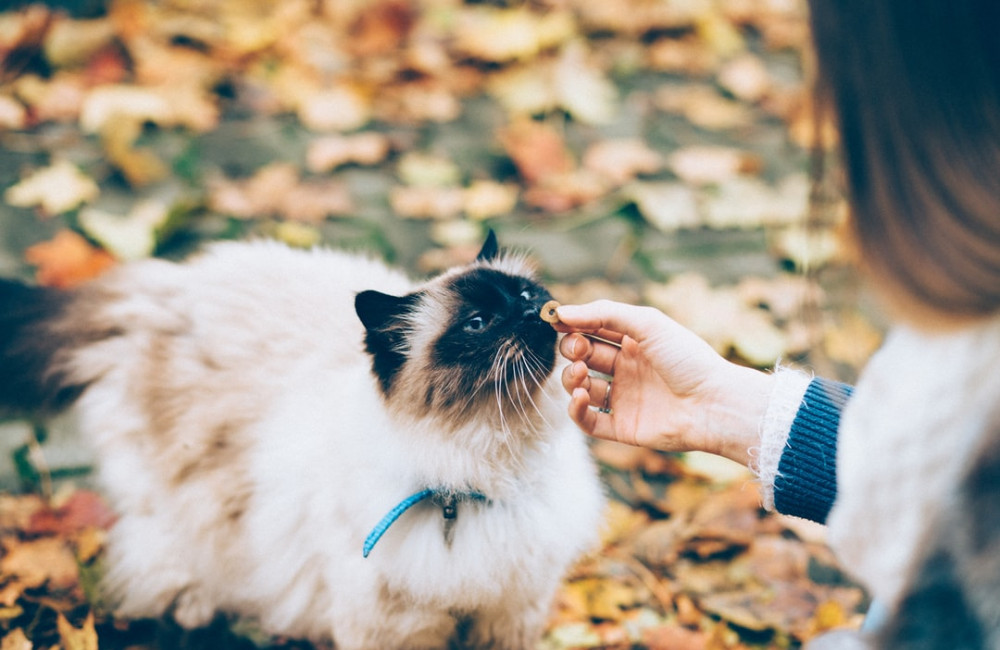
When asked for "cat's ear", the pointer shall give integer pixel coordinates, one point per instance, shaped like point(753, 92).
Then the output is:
point(490, 247)
point(381, 311)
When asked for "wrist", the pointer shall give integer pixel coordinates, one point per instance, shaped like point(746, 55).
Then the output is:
point(734, 417)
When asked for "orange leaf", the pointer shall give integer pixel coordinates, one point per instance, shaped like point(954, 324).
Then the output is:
point(67, 260)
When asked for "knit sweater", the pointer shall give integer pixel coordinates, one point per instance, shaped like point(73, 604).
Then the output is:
point(797, 460)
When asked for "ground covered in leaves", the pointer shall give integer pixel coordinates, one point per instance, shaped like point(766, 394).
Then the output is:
point(652, 151)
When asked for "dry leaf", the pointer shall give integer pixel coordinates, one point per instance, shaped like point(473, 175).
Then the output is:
point(702, 106)
point(501, 35)
point(329, 152)
point(72, 42)
point(537, 149)
point(746, 77)
point(853, 340)
point(83, 638)
point(748, 202)
point(42, 561)
point(703, 164)
point(668, 206)
point(342, 107)
point(583, 90)
point(427, 170)
point(16, 640)
point(106, 105)
point(67, 260)
point(128, 237)
point(84, 509)
point(58, 188)
point(12, 114)
point(487, 199)
point(621, 160)
point(427, 202)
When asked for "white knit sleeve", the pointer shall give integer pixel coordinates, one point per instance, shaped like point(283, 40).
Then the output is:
point(783, 403)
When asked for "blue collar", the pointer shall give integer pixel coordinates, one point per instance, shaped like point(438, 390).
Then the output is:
point(449, 508)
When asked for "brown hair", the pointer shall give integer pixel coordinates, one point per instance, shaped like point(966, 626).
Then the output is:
point(915, 86)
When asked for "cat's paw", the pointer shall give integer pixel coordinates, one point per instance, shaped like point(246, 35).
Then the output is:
point(193, 609)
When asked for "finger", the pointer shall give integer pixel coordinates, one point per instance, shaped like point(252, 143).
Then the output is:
point(598, 355)
point(611, 319)
point(574, 376)
point(580, 411)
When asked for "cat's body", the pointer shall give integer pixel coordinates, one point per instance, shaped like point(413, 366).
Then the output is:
point(251, 430)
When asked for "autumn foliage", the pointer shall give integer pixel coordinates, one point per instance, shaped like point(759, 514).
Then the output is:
point(611, 138)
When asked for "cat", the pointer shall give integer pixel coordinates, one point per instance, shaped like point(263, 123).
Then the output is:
point(312, 441)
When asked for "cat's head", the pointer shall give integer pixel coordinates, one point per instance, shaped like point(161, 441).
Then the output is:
point(469, 344)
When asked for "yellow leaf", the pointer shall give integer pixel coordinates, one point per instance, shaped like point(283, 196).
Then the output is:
point(106, 105)
point(485, 199)
point(509, 34)
point(16, 640)
point(58, 188)
point(129, 237)
point(83, 638)
point(582, 89)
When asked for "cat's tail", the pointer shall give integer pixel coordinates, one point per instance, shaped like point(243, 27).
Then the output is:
point(38, 334)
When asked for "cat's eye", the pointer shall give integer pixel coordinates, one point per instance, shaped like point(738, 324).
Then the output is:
point(474, 324)
point(527, 295)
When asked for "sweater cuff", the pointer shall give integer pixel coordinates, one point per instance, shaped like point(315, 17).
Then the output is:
point(806, 484)
point(782, 405)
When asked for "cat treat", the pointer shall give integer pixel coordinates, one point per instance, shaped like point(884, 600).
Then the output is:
point(273, 456)
point(548, 313)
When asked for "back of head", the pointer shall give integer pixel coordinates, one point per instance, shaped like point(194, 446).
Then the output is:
point(915, 87)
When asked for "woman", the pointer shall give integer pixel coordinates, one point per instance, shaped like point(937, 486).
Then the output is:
point(910, 459)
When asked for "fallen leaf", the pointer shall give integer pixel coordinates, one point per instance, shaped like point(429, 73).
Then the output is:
point(745, 77)
point(668, 206)
point(583, 90)
point(673, 637)
point(703, 164)
point(140, 166)
point(537, 150)
point(67, 260)
point(621, 160)
point(12, 113)
point(82, 638)
point(55, 189)
point(330, 152)
point(72, 42)
point(486, 199)
point(703, 106)
point(106, 105)
point(129, 237)
point(34, 563)
point(687, 55)
point(499, 35)
point(427, 202)
point(341, 107)
point(427, 170)
point(16, 640)
point(852, 340)
point(83, 509)
point(748, 202)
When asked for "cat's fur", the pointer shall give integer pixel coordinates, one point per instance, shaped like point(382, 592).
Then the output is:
point(251, 428)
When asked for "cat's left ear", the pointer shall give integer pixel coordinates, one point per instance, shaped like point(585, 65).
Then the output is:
point(490, 247)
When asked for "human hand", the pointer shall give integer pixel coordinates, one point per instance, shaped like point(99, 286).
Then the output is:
point(669, 389)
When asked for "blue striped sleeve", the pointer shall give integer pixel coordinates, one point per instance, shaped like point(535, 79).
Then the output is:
point(806, 485)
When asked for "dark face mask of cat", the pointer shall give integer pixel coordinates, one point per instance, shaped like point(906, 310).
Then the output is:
point(491, 356)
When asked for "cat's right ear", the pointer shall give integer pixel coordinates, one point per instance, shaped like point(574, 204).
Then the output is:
point(386, 332)
point(381, 311)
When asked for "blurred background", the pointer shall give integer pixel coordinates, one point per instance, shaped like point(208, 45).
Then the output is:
point(664, 152)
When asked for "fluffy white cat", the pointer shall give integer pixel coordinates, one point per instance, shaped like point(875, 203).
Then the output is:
point(259, 413)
